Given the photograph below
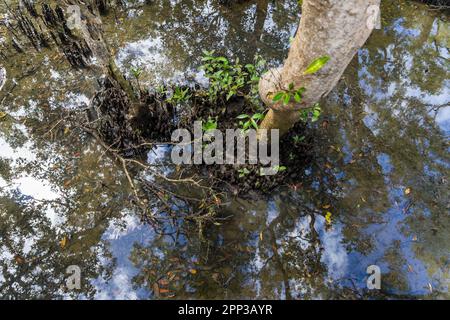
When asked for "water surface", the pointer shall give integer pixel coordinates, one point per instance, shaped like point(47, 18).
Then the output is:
point(381, 170)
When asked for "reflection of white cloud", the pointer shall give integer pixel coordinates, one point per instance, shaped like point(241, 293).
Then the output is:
point(302, 231)
point(35, 188)
point(120, 287)
point(24, 152)
point(249, 19)
point(122, 227)
point(2, 76)
point(157, 154)
point(146, 53)
point(122, 234)
point(38, 189)
point(443, 117)
point(334, 255)
point(74, 100)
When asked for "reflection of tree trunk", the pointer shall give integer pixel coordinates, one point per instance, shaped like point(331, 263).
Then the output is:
point(91, 31)
point(79, 42)
point(279, 262)
point(261, 14)
point(359, 138)
point(327, 28)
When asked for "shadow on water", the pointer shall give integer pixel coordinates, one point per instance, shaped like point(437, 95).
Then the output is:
point(381, 170)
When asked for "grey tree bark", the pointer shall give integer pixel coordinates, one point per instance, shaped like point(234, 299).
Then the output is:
point(333, 28)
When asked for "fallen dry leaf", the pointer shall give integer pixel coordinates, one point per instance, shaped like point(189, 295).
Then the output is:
point(193, 271)
point(63, 242)
point(19, 260)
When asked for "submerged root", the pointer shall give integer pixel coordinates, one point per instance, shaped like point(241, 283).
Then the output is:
point(158, 118)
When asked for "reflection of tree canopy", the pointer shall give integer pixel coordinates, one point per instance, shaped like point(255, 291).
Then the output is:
point(244, 258)
point(189, 27)
point(392, 139)
point(382, 137)
point(33, 262)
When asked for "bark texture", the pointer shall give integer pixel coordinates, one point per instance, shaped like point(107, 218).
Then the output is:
point(333, 28)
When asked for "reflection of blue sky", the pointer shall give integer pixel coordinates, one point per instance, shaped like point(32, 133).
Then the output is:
point(122, 235)
point(388, 234)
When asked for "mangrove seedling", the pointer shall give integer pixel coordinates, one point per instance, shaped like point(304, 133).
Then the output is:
point(179, 95)
point(243, 172)
point(250, 121)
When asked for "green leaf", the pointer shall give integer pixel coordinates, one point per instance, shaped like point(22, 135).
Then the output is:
point(297, 97)
point(316, 114)
point(208, 53)
point(250, 67)
point(211, 124)
point(243, 116)
point(254, 124)
point(291, 86)
point(287, 98)
point(258, 116)
point(222, 59)
point(303, 115)
point(316, 65)
point(279, 168)
point(278, 96)
point(301, 90)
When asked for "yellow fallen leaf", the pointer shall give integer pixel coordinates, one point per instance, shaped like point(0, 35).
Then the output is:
point(261, 236)
point(193, 271)
point(63, 242)
point(66, 131)
point(3, 114)
point(327, 206)
point(328, 217)
point(407, 191)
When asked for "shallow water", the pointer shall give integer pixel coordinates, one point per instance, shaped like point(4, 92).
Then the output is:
point(381, 170)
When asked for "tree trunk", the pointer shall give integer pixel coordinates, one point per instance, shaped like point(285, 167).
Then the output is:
point(333, 28)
